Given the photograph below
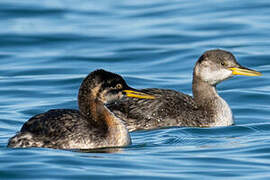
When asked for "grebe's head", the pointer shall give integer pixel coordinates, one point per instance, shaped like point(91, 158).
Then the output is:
point(218, 65)
point(107, 87)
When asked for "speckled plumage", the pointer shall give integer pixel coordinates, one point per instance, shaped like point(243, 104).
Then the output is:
point(92, 126)
point(171, 108)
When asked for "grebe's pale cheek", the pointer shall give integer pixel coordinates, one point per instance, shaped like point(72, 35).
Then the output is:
point(111, 97)
point(214, 75)
point(120, 95)
point(219, 75)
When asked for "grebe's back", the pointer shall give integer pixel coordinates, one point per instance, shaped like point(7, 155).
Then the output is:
point(92, 126)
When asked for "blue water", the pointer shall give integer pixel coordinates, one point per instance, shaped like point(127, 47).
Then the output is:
point(48, 47)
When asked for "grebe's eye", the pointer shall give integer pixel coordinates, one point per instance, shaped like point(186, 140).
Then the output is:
point(223, 63)
point(119, 86)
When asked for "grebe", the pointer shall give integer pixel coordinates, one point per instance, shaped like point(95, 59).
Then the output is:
point(171, 108)
point(92, 126)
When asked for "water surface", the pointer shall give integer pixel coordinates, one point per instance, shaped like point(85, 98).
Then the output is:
point(48, 47)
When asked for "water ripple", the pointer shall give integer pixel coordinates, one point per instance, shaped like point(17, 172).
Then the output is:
point(48, 47)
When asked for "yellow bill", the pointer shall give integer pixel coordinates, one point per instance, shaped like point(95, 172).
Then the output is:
point(244, 71)
point(136, 94)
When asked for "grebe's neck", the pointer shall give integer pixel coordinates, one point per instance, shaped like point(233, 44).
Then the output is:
point(93, 109)
point(207, 98)
point(117, 133)
point(87, 99)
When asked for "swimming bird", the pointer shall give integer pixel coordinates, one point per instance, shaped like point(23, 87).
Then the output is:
point(171, 108)
point(92, 126)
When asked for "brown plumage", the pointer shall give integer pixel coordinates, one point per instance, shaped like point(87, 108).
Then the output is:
point(171, 108)
point(92, 126)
